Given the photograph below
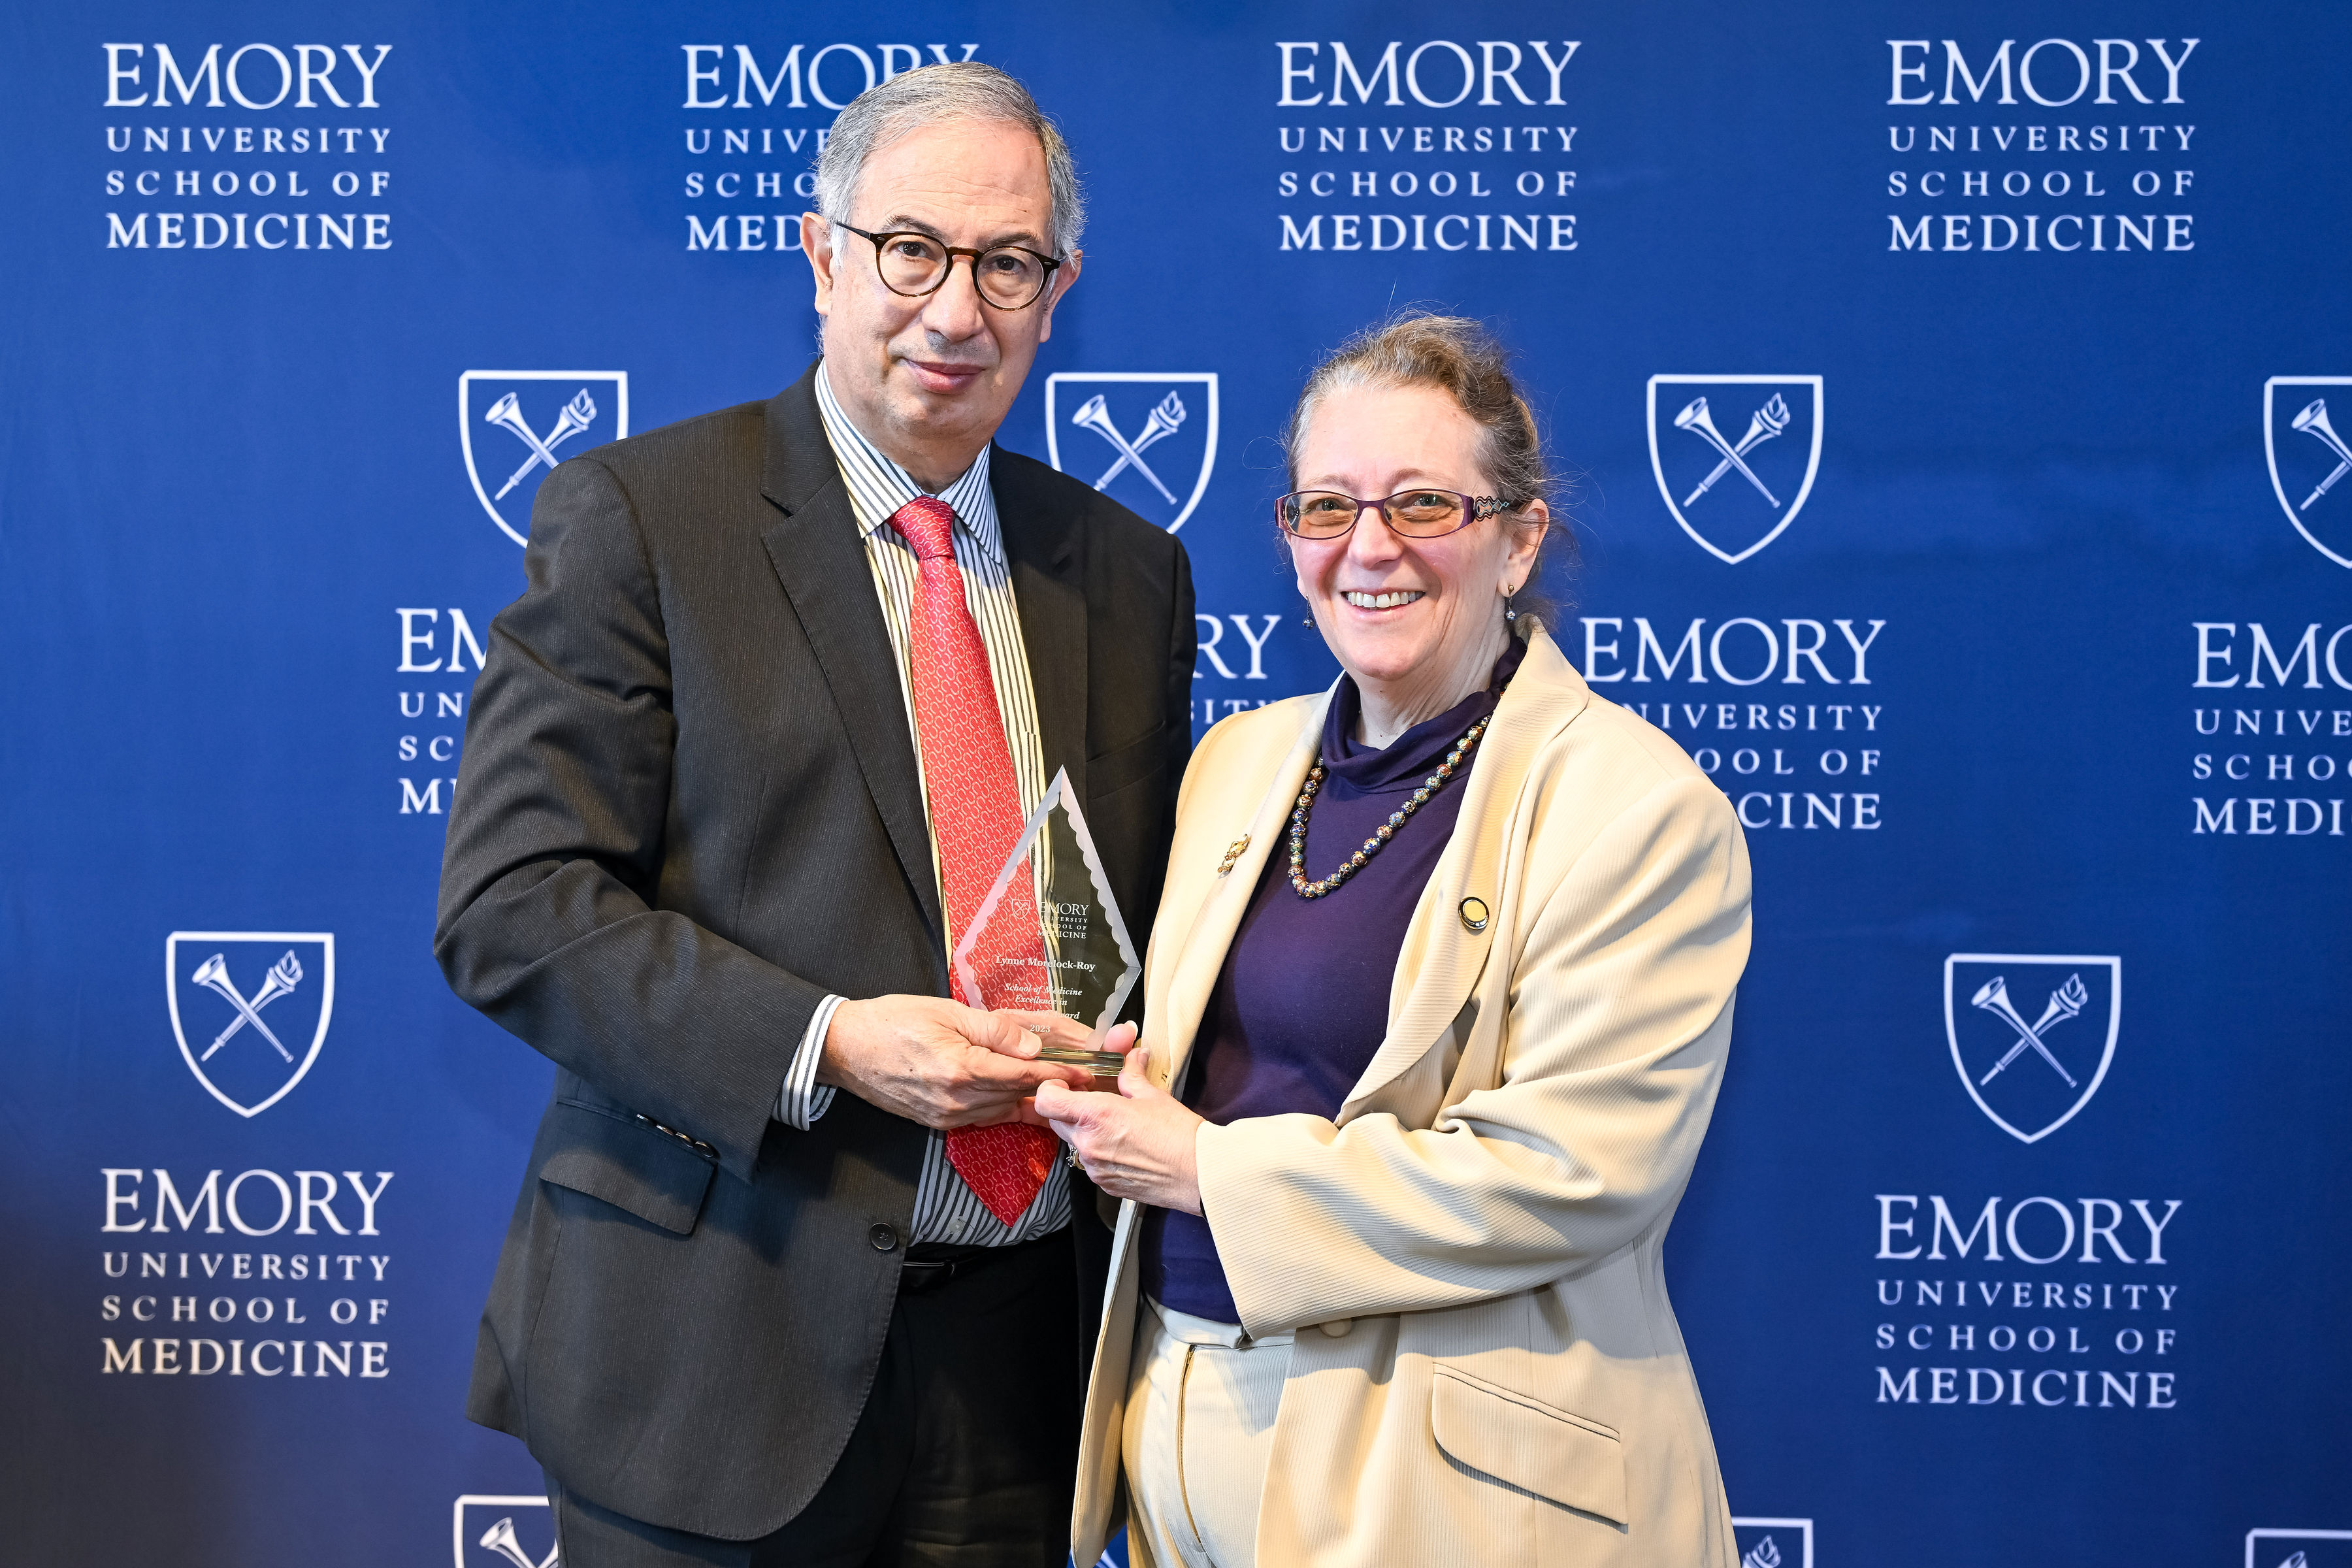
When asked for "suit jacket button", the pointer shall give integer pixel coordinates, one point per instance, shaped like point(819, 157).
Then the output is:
point(883, 1238)
point(1337, 1327)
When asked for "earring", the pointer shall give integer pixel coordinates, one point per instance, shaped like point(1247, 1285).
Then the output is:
point(1508, 613)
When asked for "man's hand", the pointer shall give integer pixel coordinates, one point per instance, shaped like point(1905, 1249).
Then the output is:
point(934, 1061)
point(1136, 1144)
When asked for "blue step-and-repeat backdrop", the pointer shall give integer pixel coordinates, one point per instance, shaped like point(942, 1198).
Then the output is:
point(1959, 398)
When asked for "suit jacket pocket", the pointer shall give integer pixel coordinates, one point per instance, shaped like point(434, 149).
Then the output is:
point(1123, 765)
point(631, 1166)
point(1533, 1446)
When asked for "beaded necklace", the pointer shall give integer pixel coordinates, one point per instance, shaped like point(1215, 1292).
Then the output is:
point(1382, 834)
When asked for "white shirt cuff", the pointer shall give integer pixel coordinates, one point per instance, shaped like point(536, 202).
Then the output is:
point(803, 1099)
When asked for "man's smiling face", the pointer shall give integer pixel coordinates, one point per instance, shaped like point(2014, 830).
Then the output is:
point(929, 380)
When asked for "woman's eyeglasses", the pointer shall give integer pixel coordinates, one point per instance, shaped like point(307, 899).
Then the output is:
point(1415, 514)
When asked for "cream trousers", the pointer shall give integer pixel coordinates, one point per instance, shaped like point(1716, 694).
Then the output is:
point(1201, 1404)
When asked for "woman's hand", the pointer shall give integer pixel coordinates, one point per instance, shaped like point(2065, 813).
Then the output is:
point(1136, 1144)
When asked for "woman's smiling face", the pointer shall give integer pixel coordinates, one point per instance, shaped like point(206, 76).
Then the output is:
point(1396, 611)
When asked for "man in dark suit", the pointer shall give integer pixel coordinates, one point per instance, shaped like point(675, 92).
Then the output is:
point(787, 1281)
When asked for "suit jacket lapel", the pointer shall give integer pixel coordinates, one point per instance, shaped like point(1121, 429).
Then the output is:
point(1442, 956)
point(1045, 550)
point(821, 562)
point(1211, 933)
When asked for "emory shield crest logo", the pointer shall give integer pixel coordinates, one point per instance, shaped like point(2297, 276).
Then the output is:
point(515, 426)
point(2032, 1033)
point(1150, 437)
point(2311, 465)
point(2299, 1549)
point(1773, 1543)
point(250, 1009)
point(1735, 455)
point(489, 1532)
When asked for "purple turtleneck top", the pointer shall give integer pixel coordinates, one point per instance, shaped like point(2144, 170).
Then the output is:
point(1303, 1000)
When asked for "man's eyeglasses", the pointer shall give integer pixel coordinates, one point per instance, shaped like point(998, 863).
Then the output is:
point(1415, 514)
point(916, 265)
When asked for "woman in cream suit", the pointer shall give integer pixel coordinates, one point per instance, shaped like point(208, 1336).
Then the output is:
point(1437, 1006)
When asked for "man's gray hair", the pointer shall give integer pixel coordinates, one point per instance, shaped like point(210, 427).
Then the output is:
point(940, 95)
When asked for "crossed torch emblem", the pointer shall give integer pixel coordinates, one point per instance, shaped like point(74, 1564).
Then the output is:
point(1762, 425)
point(577, 416)
point(2064, 1003)
point(283, 977)
point(1167, 419)
point(2312, 422)
point(501, 1538)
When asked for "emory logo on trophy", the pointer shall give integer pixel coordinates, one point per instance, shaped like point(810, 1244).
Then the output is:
point(2031, 1076)
point(1152, 441)
point(542, 412)
point(1773, 1543)
point(1734, 494)
point(250, 1009)
point(489, 1532)
point(2310, 462)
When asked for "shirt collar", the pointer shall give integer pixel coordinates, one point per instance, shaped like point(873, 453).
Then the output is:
point(878, 487)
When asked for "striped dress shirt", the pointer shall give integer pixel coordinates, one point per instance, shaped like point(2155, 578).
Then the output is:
point(945, 1209)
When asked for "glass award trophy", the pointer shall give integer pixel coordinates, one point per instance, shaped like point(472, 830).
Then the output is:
point(1049, 938)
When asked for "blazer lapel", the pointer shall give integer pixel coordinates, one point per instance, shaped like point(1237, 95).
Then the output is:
point(821, 562)
point(1442, 956)
point(1046, 554)
point(1211, 933)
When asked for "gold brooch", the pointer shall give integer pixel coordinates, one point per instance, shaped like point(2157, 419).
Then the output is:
point(1232, 854)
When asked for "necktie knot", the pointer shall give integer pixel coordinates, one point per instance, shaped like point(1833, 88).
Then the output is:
point(927, 525)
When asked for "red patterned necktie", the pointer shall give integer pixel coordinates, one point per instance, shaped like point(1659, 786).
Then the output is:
point(976, 818)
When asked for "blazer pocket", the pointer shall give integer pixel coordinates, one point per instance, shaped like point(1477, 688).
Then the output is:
point(1529, 1444)
point(1123, 765)
point(633, 1167)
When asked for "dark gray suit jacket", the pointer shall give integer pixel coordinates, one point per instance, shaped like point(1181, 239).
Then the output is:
point(688, 810)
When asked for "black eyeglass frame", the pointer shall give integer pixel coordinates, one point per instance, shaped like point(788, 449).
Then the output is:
point(1474, 508)
point(1046, 281)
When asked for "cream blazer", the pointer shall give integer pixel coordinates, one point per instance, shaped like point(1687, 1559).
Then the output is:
point(1487, 1368)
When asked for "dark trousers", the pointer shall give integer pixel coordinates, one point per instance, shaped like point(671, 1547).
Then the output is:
point(967, 1451)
